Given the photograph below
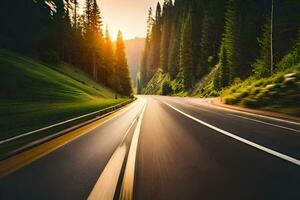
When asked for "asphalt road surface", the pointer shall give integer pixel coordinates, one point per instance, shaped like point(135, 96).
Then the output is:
point(185, 149)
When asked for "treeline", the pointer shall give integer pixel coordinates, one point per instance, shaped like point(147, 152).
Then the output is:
point(54, 31)
point(186, 39)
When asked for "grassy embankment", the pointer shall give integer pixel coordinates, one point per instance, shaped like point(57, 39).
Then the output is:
point(34, 95)
point(161, 84)
point(280, 92)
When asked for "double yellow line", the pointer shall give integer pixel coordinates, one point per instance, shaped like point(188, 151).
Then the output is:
point(106, 186)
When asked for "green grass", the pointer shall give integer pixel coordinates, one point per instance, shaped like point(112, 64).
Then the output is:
point(161, 84)
point(34, 95)
point(155, 84)
point(279, 92)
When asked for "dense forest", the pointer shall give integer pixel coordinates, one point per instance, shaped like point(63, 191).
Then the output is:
point(54, 31)
point(235, 39)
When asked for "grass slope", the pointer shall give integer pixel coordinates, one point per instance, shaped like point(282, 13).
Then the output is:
point(279, 93)
point(34, 95)
point(155, 84)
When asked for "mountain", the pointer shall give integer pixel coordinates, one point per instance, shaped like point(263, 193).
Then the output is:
point(134, 50)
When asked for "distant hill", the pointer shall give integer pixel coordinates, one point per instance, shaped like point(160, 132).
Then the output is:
point(134, 49)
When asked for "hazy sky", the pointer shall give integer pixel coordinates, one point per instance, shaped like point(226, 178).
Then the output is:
point(129, 16)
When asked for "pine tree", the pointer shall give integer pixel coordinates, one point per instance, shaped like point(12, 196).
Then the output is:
point(155, 40)
point(173, 58)
point(122, 67)
point(232, 37)
point(211, 34)
point(88, 15)
point(166, 32)
point(224, 68)
point(186, 51)
point(75, 14)
point(97, 40)
point(145, 58)
point(262, 67)
point(109, 61)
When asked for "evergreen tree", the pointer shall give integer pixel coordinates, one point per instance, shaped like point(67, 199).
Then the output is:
point(211, 34)
point(166, 32)
point(262, 67)
point(186, 52)
point(109, 60)
point(88, 15)
point(155, 40)
point(75, 14)
point(232, 37)
point(224, 68)
point(173, 58)
point(122, 67)
point(97, 41)
point(144, 62)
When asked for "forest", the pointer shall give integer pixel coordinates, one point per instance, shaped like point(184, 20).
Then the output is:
point(203, 47)
point(54, 31)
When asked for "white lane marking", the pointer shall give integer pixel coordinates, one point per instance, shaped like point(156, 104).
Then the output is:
point(262, 148)
point(275, 125)
point(53, 125)
point(128, 179)
point(253, 114)
point(106, 185)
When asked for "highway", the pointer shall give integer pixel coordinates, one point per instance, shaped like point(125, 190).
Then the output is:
point(161, 148)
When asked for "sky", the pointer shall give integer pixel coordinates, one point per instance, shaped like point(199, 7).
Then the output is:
point(129, 16)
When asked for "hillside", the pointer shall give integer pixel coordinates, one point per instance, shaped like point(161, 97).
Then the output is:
point(134, 49)
point(212, 48)
point(34, 95)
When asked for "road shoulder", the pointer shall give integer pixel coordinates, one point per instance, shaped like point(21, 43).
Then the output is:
point(22, 159)
point(216, 102)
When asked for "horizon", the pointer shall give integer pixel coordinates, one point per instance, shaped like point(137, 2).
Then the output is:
point(119, 15)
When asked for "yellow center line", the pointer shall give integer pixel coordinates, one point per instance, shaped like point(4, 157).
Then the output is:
point(106, 185)
point(20, 160)
point(128, 180)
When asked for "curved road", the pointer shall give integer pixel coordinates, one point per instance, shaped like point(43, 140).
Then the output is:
point(186, 149)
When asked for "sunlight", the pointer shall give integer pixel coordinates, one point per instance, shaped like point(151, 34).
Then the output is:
point(129, 16)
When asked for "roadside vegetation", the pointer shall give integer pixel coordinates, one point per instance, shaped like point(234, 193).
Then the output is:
point(57, 63)
point(247, 52)
point(279, 92)
point(34, 95)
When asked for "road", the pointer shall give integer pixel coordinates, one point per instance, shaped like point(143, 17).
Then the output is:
point(169, 148)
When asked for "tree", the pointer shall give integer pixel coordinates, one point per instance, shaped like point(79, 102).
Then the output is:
point(166, 32)
point(93, 37)
point(224, 68)
point(155, 40)
point(122, 67)
point(109, 60)
point(177, 20)
point(144, 74)
point(97, 39)
point(211, 35)
point(233, 37)
point(186, 51)
point(264, 64)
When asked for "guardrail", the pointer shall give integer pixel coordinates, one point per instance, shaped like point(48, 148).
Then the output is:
point(90, 117)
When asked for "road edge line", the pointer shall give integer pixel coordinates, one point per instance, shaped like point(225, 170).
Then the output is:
point(266, 123)
point(286, 119)
point(29, 156)
point(257, 146)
